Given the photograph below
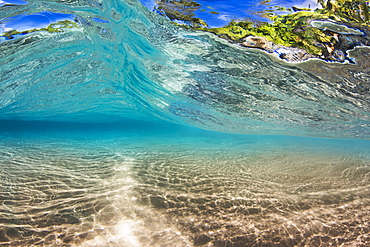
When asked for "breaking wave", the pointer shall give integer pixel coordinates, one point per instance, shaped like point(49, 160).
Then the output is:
point(103, 61)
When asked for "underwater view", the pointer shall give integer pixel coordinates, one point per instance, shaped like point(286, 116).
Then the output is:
point(184, 123)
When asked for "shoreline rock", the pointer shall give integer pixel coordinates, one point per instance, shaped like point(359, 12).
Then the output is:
point(290, 54)
point(333, 52)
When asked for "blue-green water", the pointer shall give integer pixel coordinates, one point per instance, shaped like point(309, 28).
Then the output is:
point(125, 130)
point(145, 184)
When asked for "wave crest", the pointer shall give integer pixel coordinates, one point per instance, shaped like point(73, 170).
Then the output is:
point(119, 60)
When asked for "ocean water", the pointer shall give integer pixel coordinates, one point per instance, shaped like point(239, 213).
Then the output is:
point(139, 184)
point(126, 130)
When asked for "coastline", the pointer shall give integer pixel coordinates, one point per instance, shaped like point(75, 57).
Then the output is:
point(325, 33)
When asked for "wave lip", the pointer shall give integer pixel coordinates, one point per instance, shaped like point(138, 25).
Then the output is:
point(115, 60)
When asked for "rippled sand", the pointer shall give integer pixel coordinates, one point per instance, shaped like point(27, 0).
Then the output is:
point(189, 191)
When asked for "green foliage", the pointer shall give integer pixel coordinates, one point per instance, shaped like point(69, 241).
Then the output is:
point(293, 30)
point(290, 30)
point(52, 28)
point(348, 10)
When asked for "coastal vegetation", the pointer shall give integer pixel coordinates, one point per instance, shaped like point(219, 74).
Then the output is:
point(292, 29)
point(52, 28)
point(352, 10)
point(326, 32)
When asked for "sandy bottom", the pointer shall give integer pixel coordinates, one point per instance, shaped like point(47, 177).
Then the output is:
point(191, 191)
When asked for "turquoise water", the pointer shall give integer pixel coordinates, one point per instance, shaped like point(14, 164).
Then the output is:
point(125, 130)
point(121, 61)
point(145, 184)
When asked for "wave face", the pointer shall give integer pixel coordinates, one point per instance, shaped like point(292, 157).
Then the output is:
point(116, 60)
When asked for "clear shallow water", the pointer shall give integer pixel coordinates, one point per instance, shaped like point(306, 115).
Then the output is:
point(139, 184)
point(89, 156)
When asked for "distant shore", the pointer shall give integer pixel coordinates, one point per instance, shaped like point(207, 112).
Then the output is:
point(325, 33)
